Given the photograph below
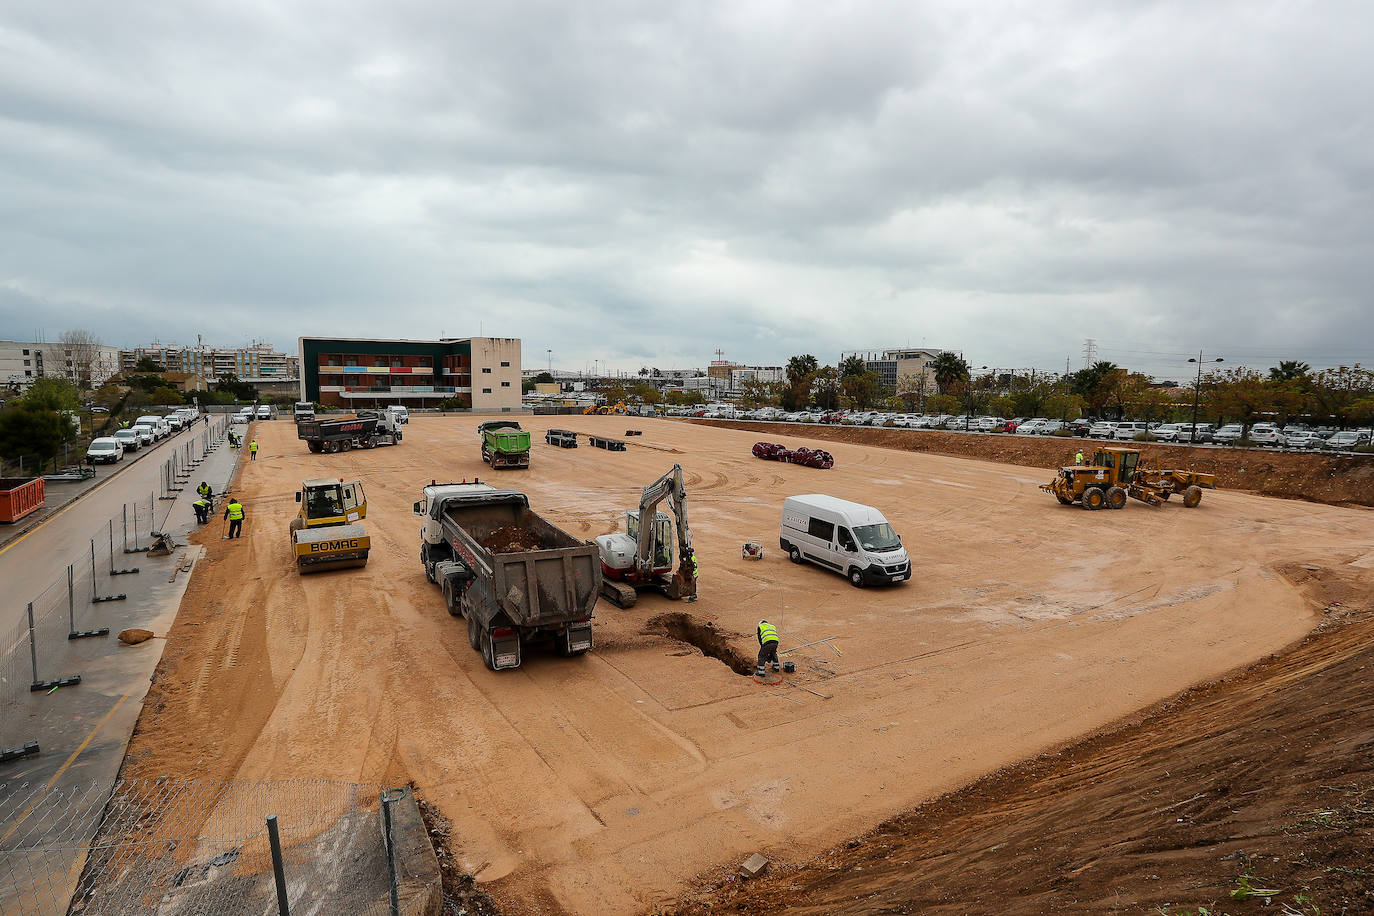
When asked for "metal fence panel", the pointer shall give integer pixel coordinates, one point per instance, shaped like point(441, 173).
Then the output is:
point(191, 846)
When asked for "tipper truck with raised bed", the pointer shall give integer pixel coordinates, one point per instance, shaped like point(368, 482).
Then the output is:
point(366, 430)
point(504, 444)
point(517, 578)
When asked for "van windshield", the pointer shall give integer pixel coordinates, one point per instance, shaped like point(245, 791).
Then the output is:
point(877, 538)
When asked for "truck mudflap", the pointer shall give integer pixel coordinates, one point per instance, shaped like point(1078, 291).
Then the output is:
point(505, 648)
point(575, 639)
point(510, 461)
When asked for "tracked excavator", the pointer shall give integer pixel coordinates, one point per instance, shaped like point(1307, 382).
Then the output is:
point(642, 557)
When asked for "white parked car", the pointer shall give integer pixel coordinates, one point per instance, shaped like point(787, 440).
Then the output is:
point(1102, 429)
point(1228, 434)
point(158, 425)
point(147, 435)
point(105, 450)
point(174, 422)
point(1030, 427)
point(128, 439)
point(1305, 438)
point(1050, 427)
point(1129, 429)
point(1268, 435)
point(1347, 439)
point(1166, 432)
point(264, 412)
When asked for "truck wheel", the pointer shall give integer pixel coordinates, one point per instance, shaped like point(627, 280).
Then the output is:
point(1192, 496)
point(368, 444)
point(1116, 498)
point(1063, 500)
point(449, 601)
point(488, 653)
point(314, 447)
point(474, 634)
point(794, 554)
point(856, 577)
point(1094, 498)
point(332, 447)
point(345, 445)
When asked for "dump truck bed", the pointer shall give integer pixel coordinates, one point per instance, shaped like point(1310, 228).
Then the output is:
point(328, 430)
point(526, 569)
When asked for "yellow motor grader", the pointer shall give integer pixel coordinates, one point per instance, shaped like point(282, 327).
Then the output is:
point(1116, 473)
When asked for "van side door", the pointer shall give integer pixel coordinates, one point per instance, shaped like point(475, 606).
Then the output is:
point(824, 532)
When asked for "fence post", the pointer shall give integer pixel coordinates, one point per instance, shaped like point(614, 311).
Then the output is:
point(96, 597)
point(35, 686)
point(390, 853)
point(278, 870)
point(113, 571)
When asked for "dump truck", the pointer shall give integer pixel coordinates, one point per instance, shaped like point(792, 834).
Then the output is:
point(517, 578)
point(327, 532)
point(504, 444)
point(366, 430)
point(1113, 474)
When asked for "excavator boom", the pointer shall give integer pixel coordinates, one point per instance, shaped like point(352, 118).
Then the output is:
point(671, 488)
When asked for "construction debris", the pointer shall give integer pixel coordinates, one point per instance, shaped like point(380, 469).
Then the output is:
point(133, 636)
point(809, 457)
point(753, 866)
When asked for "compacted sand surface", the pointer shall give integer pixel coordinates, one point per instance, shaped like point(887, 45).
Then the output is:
point(607, 783)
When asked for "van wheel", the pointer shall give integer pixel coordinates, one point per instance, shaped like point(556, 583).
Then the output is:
point(856, 577)
point(795, 554)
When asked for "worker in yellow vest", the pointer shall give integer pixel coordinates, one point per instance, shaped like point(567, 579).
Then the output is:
point(253, 450)
point(233, 511)
point(768, 647)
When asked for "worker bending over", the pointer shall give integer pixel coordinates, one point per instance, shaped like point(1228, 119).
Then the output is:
point(205, 493)
point(202, 507)
point(768, 647)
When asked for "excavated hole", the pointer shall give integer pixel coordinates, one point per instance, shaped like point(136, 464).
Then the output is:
point(704, 636)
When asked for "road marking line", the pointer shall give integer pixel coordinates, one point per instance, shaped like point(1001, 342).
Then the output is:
point(63, 768)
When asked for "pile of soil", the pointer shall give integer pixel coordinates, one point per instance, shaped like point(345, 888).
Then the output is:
point(511, 539)
point(1261, 781)
point(1290, 475)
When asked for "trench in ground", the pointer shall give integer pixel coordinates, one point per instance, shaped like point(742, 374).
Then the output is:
point(704, 635)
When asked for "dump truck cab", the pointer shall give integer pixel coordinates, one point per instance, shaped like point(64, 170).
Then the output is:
point(326, 533)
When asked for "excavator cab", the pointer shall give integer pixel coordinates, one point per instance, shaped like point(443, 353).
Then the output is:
point(662, 550)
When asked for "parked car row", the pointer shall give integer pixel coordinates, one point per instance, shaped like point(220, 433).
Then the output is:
point(1266, 434)
point(144, 431)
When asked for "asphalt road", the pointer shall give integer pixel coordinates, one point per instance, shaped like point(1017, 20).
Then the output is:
point(33, 561)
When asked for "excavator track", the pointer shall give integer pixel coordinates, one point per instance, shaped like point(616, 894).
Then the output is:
point(618, 593)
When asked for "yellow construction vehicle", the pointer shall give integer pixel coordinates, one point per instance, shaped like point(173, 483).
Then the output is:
point(326, 533)
point(1113, 474)
point(607, 409)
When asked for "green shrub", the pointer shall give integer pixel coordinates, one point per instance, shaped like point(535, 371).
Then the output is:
point(1063, 433)
point(1146, 437)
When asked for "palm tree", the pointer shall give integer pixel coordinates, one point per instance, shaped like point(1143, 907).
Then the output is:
point(1289, 370)
point(948, 368)
point(798, 367)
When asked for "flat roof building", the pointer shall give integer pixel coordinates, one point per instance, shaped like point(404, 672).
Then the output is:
point(372, 372)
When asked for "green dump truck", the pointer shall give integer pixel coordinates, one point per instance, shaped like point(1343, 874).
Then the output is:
point(504, 444)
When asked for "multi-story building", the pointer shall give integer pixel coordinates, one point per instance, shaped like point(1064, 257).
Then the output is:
point(368, 372)
point(88, 365)
point(893, 365)
point(256, 363)
point(765, 374)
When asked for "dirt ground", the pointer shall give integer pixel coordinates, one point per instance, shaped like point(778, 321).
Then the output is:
point(611, 783)
point(1264, 780)
point(1291, 475)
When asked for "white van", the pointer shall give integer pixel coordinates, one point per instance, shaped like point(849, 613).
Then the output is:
point(847, 537)
point(160, 428)
point(398, 414)
point(264, 412)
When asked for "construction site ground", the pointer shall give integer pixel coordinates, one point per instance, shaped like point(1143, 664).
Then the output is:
point(620, 781)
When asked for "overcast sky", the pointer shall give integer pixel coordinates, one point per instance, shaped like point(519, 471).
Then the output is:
point(641, 183)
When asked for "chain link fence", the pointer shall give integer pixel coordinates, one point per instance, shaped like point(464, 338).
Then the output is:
point(192, 846)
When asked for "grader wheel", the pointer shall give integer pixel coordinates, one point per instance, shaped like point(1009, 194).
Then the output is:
point(1094, 498)
point(1192, 496)
point(1116, 498)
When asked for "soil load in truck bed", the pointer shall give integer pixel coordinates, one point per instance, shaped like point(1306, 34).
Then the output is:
point(510, 539)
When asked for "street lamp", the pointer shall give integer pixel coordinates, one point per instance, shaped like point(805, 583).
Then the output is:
point(550, 354)
point(1197, 390)
point(969, 408)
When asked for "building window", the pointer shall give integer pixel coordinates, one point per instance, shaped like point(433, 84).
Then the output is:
point(28, 373)
point(486, 370)
point(505, 384)
point(505, 364)
point(486, 391)
point(26, 352)
point(26, 362)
